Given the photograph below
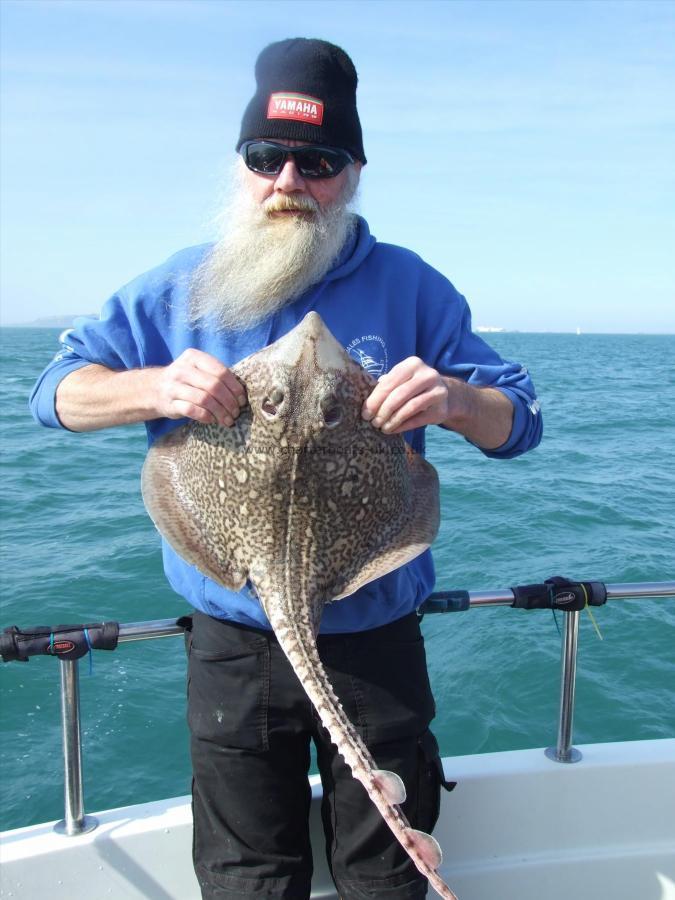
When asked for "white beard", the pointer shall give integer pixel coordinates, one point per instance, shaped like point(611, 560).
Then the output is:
point(261, 263)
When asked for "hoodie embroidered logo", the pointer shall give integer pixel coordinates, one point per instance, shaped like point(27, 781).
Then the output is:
point(370, 352)
point(298, 107)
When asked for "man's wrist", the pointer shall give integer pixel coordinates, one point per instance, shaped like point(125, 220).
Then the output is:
point(148, 392)
point(460, 404)
point(96, 397)
point(483, 415)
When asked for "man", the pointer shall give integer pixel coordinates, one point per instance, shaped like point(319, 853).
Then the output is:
point(162, 352)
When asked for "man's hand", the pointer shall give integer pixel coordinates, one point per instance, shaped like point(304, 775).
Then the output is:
point(196, 385)
point(199, 386)
point(413, 395)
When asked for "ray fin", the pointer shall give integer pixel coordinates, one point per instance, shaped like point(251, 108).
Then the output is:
point(426, 846)
point(179, 519)
point(391, 786)
point(417, 534)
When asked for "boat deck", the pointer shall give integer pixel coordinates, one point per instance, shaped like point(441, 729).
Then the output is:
point(519, 826)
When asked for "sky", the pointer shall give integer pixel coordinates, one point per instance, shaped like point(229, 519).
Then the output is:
point(524, 149)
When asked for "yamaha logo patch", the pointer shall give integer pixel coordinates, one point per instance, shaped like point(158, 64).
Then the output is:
point(298, 107)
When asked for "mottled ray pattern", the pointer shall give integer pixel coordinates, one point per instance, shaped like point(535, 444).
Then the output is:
point(307, 502)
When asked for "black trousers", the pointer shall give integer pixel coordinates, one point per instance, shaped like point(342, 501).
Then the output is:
point(251, 725)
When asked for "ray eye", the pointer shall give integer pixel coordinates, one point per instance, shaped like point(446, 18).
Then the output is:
point(271, 403)
point(332, 416)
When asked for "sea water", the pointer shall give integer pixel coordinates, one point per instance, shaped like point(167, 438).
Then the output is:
point(595, 501)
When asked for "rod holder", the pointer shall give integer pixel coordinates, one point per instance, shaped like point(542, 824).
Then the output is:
point(564, 752)
point(74, 822)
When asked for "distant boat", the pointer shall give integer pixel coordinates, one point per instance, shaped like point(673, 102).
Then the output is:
point(489, 329)
point(578, 330)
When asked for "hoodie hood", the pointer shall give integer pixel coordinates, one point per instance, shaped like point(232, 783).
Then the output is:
point(355, 250)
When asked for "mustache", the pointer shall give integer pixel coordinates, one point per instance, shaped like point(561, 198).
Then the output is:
point(263, 261)
point(286, 202)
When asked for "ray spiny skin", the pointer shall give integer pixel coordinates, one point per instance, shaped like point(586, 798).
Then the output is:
point(308, 502)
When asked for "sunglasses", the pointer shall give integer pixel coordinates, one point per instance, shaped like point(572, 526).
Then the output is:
point(268, 158)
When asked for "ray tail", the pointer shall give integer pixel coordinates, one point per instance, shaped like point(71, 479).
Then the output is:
point(385, 789)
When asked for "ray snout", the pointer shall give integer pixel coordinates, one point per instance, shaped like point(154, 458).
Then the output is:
point(312, 344)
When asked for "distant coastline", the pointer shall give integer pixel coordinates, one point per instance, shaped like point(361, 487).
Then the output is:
point(64, 321)
point(50, 321)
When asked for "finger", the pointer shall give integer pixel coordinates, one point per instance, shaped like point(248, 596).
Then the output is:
point(227, 378)
point(202, 360)
point(425, 384)
point(200, 405)
point(209, 383)
point(421, 405)
point(198, 359)
point(390, 404)
point(183, 410)
point(418, 421)
point(373, 402)
point(399, 375)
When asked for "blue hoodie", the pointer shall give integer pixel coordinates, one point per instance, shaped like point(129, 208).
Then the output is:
point(383, 303)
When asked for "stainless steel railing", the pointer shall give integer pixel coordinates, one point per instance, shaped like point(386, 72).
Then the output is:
point(75, 821)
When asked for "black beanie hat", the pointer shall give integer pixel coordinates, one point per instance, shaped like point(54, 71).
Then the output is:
point(305, 91)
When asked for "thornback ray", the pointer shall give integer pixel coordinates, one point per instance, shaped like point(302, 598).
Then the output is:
point(307, 502)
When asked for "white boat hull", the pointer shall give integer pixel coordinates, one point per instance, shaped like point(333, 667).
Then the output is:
point(517, 827)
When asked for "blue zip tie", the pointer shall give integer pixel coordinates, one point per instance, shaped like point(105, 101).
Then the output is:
point(555, 619)
point(91, 655)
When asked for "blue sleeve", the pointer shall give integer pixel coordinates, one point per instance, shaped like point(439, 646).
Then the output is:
point(143, 324)
point(108, 341)
point(454, 350)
